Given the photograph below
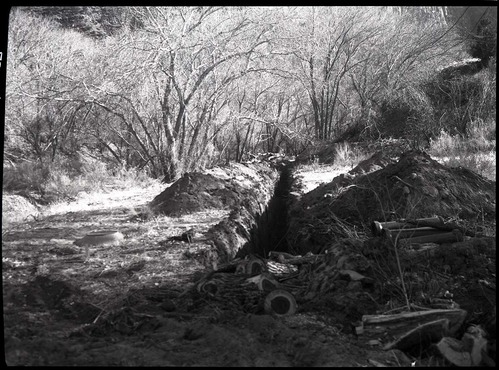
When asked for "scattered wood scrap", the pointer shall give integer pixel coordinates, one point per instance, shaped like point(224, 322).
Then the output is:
point(287, 258)
point(408, 328)
point(378, 227)
point(343, 276)
point(437, 237)
point(422, 230)
point(265, 282)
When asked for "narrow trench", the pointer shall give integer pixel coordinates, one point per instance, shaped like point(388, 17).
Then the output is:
point(271, 227)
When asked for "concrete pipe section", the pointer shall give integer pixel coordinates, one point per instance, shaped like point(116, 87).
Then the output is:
point(99, 238)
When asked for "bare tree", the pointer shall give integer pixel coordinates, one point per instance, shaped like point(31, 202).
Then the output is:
point(329, 48)
point(186, 47)
point(41, 108)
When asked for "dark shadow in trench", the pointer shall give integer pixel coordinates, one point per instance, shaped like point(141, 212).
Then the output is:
point(270, 231)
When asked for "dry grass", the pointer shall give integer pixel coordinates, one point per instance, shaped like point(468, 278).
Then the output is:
point(348, 156)
point(65, 179)
point(476, 153)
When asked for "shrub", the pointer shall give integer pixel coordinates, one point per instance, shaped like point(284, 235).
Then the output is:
point(24, 176)
point(459, 106)
point(346, 155)
point(409, 116)
point(128, 177)
point(64, 179)
point(459, 101)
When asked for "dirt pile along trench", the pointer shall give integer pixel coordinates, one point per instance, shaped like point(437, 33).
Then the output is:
point(416, 186)
point(243, 189)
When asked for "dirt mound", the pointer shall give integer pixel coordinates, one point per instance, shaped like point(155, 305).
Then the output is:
point(245, 189)
point(377, 161)
point(221, 188)
point(414, 187)
point(16, 207)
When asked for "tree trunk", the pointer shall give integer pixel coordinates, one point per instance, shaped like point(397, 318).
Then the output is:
point(171, 170)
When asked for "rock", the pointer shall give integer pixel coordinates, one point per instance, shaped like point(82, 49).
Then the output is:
point(468, 351)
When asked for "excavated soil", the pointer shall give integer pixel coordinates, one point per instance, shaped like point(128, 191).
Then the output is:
point(136, 304)
point(381, 189)
point(222, 188)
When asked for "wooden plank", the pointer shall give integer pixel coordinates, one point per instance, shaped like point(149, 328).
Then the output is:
point(398, 324)
point(410, 232)
point(421, 335)
point(377, 227)
point(454, 236)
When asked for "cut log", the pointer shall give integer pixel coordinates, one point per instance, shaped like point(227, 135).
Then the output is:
point(377, 227)
point(255, 266)
point(441, 225)
point(397, 325)
point(436, 222)
point(410, 232)
point(440, 238)
point(280, 302)
point(265, 282)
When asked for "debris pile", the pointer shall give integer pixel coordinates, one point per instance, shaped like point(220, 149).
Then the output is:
point(471, 350)
point(358, 284)
point(414, 187)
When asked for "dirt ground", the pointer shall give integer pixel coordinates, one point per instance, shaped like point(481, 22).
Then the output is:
point(131, 304)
